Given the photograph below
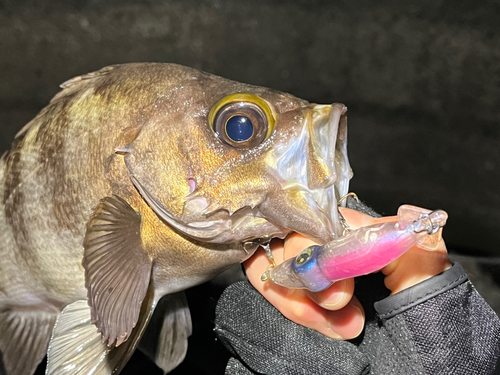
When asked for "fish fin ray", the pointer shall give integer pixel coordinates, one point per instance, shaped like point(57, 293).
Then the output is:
point(122, 295)
point(165, 340)
point(69, 89)
point(24, 338)
point(77, 347)
point(75, 83)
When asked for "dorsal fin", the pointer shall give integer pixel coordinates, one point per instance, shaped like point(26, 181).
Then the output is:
point(75, 83)
point(69, 88)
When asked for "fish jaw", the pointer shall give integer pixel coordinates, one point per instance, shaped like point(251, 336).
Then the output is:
point(243, 225)
point(314, 173)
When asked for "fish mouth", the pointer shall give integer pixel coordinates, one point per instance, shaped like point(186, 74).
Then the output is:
point(329, 149)
point(315, 174)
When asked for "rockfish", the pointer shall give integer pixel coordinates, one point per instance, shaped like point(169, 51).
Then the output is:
point(137, 182)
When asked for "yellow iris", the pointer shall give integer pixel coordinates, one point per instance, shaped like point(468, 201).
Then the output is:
point(244, 98)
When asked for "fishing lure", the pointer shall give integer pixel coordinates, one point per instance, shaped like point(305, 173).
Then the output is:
point(361, 251)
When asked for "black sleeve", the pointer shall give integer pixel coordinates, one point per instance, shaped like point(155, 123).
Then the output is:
point(440, 326)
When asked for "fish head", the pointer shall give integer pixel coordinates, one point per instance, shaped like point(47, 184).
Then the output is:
point(225, 162)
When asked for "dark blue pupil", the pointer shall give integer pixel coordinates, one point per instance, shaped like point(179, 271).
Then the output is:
point(239, 128)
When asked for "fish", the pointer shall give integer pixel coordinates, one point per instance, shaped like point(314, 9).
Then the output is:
point(137, 182)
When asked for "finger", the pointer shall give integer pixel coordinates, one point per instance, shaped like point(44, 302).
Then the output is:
point(294, 243)
point(344, 323)
point(349, 321)
point(415, 266)
point(335, 297)
point(356, 219)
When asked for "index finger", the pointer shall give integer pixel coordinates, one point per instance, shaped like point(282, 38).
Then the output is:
point(356, 219)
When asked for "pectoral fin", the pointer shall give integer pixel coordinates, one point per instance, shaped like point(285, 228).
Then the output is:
point(24, 337)
point(166, 338)
point(117, 269)
point(77, 348)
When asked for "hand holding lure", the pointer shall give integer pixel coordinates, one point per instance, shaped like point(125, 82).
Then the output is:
point(361, 251)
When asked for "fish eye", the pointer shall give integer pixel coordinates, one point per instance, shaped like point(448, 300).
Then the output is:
point(242, 120)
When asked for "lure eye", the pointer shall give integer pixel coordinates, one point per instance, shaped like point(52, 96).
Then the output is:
point(242, 120)
point(304, 256)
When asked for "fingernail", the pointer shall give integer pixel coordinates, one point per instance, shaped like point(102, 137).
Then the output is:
point(335, 298)
point(332, 334)
point(333, 302)
point(363, 324)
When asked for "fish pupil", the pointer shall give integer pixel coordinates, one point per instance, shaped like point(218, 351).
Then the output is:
point(239, 128)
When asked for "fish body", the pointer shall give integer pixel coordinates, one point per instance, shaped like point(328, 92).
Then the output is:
point(126, 189)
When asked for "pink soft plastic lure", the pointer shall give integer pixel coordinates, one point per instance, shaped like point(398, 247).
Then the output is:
point(361, 251)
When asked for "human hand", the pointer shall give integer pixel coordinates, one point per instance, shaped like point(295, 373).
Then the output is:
point(336, 312)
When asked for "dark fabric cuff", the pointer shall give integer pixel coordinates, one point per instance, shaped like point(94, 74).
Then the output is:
point(357, 205)
point(417, 294)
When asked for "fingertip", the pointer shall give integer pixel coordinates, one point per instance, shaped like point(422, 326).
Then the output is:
point(355, 218)
point(348, 323)
point(335, 297)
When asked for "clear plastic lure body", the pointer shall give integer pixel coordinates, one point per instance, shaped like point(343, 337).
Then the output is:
point(361, 251)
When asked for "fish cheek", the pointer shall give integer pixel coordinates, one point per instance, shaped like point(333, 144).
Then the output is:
point(160, 169)
point(176, 157)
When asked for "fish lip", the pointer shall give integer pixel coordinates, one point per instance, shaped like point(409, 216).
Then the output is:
point(327, 196)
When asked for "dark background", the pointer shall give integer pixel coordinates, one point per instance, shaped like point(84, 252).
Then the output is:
point(421, 81)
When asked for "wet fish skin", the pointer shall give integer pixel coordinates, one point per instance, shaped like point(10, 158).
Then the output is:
point(128, 123)
point(65, 163)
